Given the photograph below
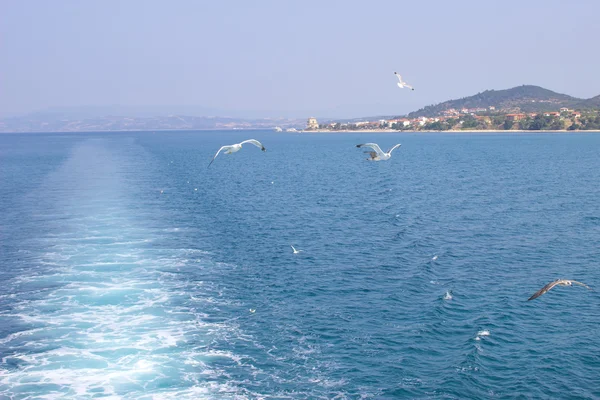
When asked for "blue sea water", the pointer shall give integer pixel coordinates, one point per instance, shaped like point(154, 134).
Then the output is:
point(129, 268)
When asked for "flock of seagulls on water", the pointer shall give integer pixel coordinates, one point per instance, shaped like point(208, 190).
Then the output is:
point(376, 154)
point(379, 155)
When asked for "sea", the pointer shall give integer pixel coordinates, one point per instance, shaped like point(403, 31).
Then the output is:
point(131, 270)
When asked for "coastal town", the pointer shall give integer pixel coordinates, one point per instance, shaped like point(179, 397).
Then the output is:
point(473, 119)
point(521, 108)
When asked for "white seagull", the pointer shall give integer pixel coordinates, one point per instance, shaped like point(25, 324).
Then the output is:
point(402, 84)
point(558, 282)
point(295, 251)
point(378, 154)
point(237, 147)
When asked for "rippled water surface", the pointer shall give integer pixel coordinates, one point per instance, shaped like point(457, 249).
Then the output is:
point(130, 269)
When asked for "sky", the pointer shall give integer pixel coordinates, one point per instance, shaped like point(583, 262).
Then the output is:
point(295, 59)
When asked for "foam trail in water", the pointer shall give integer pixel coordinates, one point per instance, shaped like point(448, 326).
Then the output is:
point(105, 312)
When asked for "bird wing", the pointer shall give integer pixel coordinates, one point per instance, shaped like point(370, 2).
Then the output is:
point(399, 77)
point(582, 284)
point(408, 86)
point(374, 146)
point(222, 148)
point(256, 143)
point(293, 248)
point(394, 148)
point(544, 289)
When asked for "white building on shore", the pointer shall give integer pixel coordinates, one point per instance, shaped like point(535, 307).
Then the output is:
point(312, 124)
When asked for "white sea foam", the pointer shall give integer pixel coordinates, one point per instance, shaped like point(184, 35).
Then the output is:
point(118, 334)
point(106, 311)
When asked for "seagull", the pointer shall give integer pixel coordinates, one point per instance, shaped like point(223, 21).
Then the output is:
point(434, 258)
point(295, 251)
point(237, 147)
point(378, 154)
point(561, 282)
point(402, 84)
point(252, 310)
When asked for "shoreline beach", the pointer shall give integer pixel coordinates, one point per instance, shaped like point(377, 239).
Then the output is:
point(447, 131)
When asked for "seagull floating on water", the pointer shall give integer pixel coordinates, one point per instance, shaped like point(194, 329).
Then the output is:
point(237, 147)
point(402, 84)
point(561, 282)
point(481, 334)
point(434, 258)
point(295, 251)
point(252, 310)
point(378, 154)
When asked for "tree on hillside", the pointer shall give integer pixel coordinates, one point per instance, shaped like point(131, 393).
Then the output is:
point(497, 120)
point(436, 126)
point(540, 122)
point(557, 124)
point(452, 122)
point(525, 123)
point(469, 122)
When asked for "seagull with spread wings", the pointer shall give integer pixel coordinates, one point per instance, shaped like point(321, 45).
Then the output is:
point(378, 154)
point(237, 147)
point(401, 83)
point(296, 251)
point(558, 282)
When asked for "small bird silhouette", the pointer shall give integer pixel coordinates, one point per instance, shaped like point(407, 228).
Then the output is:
point(561, 282)
point(237, 147)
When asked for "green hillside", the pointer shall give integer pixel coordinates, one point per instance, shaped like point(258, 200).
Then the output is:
point(526, 98)
point(593, 103)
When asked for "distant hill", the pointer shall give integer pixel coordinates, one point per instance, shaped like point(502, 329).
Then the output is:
point(593, 103)
point(526, 98)
point(42, 122)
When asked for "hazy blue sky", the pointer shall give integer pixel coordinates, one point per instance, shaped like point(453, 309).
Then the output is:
point(289, 58)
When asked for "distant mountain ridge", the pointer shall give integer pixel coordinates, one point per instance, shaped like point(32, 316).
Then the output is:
point(525, 98)
point(58, 123)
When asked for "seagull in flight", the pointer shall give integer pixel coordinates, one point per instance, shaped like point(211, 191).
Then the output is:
point(237, 147)
point(401, 83)
point(295, 251)
point(378, 154)
point(561, 282)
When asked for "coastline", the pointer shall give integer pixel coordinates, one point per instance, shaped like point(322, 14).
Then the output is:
point(446, 131)
point(478, 131)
